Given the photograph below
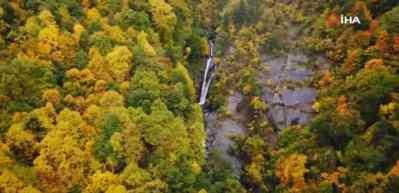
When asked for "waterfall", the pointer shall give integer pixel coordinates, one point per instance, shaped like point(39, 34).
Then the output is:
point(208, 75)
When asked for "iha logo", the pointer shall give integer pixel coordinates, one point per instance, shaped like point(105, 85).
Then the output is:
point(350, 20)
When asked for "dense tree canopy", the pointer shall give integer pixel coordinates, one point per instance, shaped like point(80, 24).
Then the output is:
point(95, 96)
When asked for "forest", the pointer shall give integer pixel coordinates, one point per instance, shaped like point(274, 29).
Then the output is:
point(102, 96)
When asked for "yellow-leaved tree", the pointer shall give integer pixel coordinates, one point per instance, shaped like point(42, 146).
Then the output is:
point(119, 60)
point(97, 64)
point(145, 45)
point(65, 160)
point(163, 15)
point(291, 171)
point(105, 182)
point(9, 183)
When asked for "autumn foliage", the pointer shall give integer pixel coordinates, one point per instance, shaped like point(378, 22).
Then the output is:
point(100, 96)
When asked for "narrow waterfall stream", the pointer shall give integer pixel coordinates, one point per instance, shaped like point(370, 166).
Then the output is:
point(208, 74)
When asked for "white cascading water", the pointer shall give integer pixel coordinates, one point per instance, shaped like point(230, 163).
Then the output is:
point(206, 81)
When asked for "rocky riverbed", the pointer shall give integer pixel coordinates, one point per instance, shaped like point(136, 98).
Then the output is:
point(221, 129)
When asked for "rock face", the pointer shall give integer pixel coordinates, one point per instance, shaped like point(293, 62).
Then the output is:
point(290, 99)
point(220, 131)
point(285, 89)
point(284, 81)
